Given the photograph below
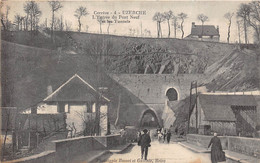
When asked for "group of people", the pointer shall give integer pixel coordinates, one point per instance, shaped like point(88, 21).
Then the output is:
point(144, 140)
point(163, 134)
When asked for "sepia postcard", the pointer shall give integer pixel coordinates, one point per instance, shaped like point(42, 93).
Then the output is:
point(130, 81)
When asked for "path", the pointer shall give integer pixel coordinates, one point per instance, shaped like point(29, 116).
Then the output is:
point(160, 153)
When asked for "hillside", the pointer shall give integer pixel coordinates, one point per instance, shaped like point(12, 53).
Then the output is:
point(237, 71)
point(26, 72)
point(122, 54)
point(226, 66)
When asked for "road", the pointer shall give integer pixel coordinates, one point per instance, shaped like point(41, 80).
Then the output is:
point(160, 153)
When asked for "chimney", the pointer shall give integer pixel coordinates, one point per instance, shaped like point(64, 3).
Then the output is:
point(49, 90)
point(193, 24)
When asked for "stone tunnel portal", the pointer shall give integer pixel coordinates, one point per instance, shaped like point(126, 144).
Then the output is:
point(172, 94)
point(149, 120)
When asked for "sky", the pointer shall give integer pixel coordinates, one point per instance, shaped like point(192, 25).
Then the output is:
point(215, 10)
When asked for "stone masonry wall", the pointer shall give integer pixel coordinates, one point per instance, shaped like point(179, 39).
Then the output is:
point(247, 146)
point(203, 141)
point(151, 88)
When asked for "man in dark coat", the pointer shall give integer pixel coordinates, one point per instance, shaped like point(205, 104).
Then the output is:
point(169, 134)
point(145, 141)
point(217, 155)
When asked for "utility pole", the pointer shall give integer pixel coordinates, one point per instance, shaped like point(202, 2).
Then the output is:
point(192, 85)
point(188, 126)
point(196, 95)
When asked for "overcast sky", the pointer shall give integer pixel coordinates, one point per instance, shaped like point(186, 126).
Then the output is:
point(215, 10)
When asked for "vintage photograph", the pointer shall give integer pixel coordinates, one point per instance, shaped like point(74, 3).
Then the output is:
point(113, 81)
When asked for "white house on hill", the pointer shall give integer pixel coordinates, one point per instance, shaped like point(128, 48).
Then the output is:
point(204, 33)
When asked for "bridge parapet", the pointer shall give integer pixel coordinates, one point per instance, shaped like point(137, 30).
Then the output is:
point(67, 149)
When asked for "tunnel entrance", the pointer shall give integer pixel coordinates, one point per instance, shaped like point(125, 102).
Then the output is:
point(149, 119)
point(172, 94)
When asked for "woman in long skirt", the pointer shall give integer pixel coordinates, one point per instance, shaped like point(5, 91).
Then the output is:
point(217, 155)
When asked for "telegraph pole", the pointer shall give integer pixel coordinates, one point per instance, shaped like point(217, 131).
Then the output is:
point(188, 126)
point(196, 86)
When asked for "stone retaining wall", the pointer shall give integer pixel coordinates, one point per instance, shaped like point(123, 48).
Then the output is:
point(67, 149)
point(203, 140)
point(247, 146)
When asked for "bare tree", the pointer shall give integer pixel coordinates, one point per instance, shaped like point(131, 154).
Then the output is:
point(243, 13)
point(229, 16)
point(182, 16)
point(61, 23)
point(238, 31)
point(108, 26)
point(87, 27)
point(27, 9)
point(68, 25)
point(56, 24)
point(55, 6)
point(81, 11)
point(147, 32)
point(254, 18)
point(175, 25)
point(100, 21)
point(168, 16)
point(203, 18)
point(159, 18)
point(2, 15)
point(7, 23)
point(17, 20)
point(33, 12)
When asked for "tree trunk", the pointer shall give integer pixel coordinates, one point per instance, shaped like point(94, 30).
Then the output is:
point(158, 30)
point(27, 22)
point(3, 24)
point(79, 24)
point(108, 28)
point(202, 28)
point(245, 30)
point(31, 22)
point(238, 27)
point(182, 31)
point(52, 23)
point(229, 25)
point(169, 28)
point(100, 28)
point(175, 30)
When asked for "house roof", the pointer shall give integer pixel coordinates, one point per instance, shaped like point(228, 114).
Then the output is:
point(208, 30)
point(218, 107)
point(238, 100)
point(75, 89)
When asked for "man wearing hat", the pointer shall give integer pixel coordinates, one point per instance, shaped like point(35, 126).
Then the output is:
point(145, 141)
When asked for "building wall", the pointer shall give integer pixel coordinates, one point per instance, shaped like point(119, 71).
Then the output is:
point(204, 38)
point(221, 127)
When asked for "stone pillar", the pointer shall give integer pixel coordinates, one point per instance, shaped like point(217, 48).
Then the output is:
point(60, 107)
point(34, 110)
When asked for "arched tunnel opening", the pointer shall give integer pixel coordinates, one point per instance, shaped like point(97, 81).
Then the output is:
point(149, 120)
point(172, 94)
